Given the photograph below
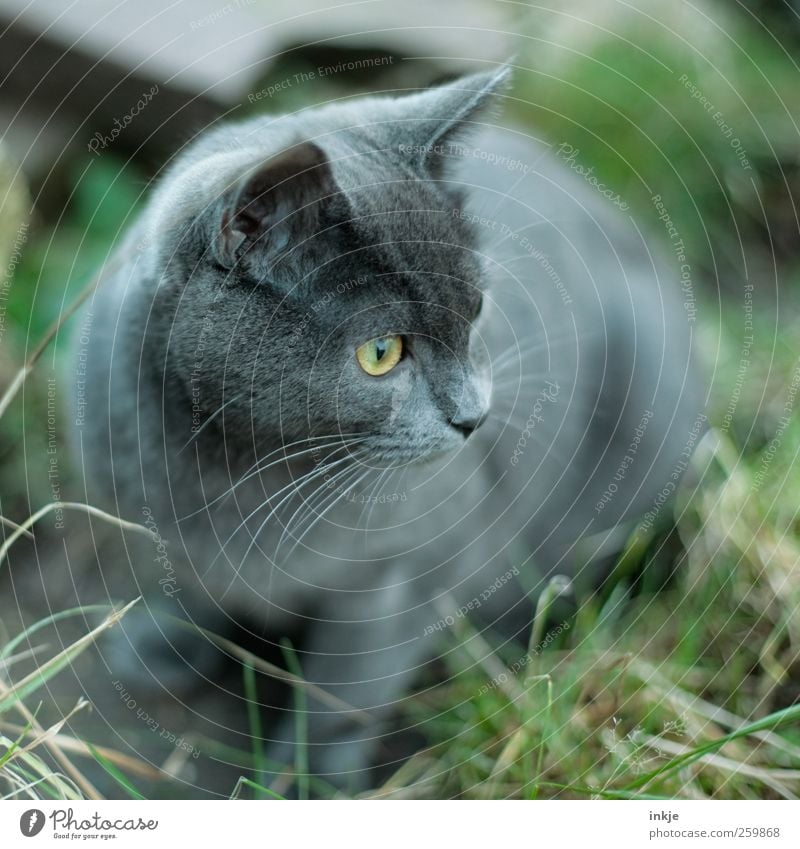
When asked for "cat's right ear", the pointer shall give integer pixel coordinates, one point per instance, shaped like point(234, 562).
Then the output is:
point(440, 116)
point(274, 206)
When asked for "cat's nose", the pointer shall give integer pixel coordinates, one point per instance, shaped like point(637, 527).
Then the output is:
point(469, 423)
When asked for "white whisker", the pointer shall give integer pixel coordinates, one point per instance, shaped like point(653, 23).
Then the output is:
point(306, 501)
point(291, 489)
point(320, 509)
point(208, 421)
point(251, 473)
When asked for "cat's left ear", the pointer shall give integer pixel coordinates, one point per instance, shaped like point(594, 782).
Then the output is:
point(279, 203)
point(440, 116)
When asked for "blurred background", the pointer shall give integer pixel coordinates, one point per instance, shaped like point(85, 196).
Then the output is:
point(690, 112)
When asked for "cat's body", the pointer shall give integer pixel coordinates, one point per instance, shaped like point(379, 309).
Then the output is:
point(191, 380)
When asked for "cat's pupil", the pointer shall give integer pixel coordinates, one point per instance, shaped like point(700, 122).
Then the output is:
point(380, 349)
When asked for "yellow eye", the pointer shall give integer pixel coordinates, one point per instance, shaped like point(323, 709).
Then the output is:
point(379, 356)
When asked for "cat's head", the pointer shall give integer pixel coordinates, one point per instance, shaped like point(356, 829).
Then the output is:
point(332, 286)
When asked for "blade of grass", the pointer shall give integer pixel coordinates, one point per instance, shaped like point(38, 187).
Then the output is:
point(75, 774)
point(770, 723)
point(557, 586)
point(79, 747)
point(65, 788)
point(683, 700)
point(246, 782)
point(605, 794)
point(51, 732)
point(118, 776)
point(47, 670)
point(13, 696)
point(49, 620)
point(9, 753)
point(70, 505)
point(29, 786)
point(14, 526)
point(301, 722)
point(773, 778)
point(544, 735)
point(254, 719)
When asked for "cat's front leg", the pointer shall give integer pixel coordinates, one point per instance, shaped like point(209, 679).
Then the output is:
point(364, 651)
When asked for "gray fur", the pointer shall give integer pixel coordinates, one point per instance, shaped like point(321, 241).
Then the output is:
point(301, 237)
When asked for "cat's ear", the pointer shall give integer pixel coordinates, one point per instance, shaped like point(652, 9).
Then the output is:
point(443, 115)
point(274, 205)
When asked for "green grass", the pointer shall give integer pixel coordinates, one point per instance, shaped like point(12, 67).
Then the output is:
point(35, 764)
point(616, 92)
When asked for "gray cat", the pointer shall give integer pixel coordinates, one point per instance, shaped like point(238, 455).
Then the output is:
point(359, 365)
